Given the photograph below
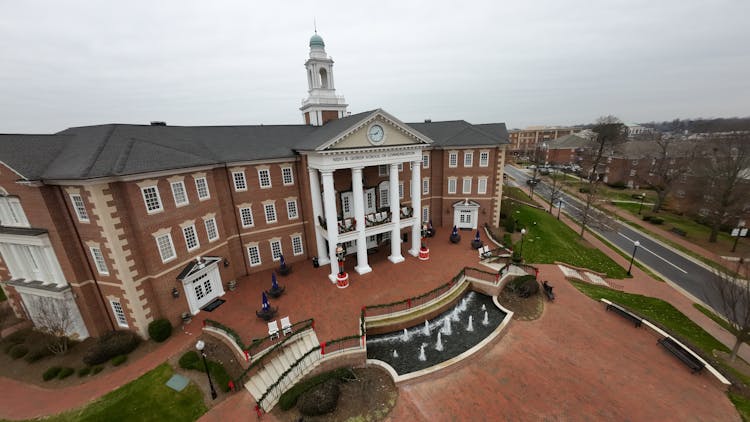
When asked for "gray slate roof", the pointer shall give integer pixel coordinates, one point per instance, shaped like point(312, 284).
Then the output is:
point(570, 141)
point(91, 152)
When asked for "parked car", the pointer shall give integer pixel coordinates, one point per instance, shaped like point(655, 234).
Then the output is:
point(532, 182)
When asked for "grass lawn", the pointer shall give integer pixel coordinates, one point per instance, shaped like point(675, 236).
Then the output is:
point(658, 311)
point(717, 319)
point(548, 240)
point(145, 399)
point(516, 193)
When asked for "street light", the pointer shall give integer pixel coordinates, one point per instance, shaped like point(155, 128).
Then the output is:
point(523, 233)
point(200, 345)
point(643, 196)
point(636, 244)
point(559, 207)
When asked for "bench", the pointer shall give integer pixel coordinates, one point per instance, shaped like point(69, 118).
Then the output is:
point(682, 354)
point(484, 252)
point(626, 314)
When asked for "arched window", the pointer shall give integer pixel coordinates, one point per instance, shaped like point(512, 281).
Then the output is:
point(323, 78)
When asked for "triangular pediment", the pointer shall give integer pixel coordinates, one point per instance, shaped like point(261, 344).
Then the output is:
point(360, 134)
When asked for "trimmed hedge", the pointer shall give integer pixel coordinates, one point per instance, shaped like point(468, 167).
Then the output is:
point(112, 344)
point(95, 370)
point(119, 360)
point(656, 220)
point(289, 398)
point(159, 330)
point(84, 371)
point(51, 373)
point(65, 373)
point(18, 351)
point(36, 352)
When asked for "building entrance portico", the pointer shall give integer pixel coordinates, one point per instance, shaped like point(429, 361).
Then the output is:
point(361, 215)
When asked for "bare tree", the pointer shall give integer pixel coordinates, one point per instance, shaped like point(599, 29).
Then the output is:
point(556, 180)
point(724, 168)
point(609, 131)
point(672, 161)
point(54, 317)
point(734, 295)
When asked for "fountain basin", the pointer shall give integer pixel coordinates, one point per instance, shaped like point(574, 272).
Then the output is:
point(457, 345)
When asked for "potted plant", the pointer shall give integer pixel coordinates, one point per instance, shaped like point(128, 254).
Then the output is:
point(232, 285)
point(283, 268)
point(455, 237)
point(477, 242)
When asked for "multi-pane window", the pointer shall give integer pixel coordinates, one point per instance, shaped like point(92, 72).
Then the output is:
point(452, 185)
point(239, 180)
point(453, 159)
point(467, 185)
point(119, 313)
point(101, 265)
point(468, 158)
point(632, 172)
point(276, 250)
point(482, 186)
point(426, 213)
point(425, 161)
point(400, 166)
point(270, 211)
point(246, 214)
point(346, 204)
point(152, 199)
point(297, 245)
point(385, 197)
point(370, 199)
point(291, 209)
point(80, 207)
point(201, 185)
point(484, 159)
point(287, 177)
point(383, 170)
point(178, 191)
point(212, 232)
point(198, 289)
point(191, 238)
point(400, 190)
point(253, 254)
point(264, 176)
point(425, 186)
point(166, 247)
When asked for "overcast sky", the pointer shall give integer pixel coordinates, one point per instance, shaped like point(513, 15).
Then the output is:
point(70, 63)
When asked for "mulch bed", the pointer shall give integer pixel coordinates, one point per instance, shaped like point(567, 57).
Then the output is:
point(524, 309)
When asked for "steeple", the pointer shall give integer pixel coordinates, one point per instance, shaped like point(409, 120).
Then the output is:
point(322, 104)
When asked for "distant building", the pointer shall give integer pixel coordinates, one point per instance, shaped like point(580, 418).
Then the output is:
point(523, 142)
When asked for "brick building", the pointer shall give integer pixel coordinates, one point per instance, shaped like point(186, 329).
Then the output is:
point(523, 142)
point(116, 225)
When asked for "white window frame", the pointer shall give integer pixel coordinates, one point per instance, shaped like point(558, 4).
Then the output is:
point(453, 159)
point(185, 230)
point(119, 312)
point(171, 246)
point(287, 172)
point(240, 183)
point(464, 189)
point(385, 200)
point(482, 186)
point(80, 207)
point(425, 186)
point(468, 158)
point(400, 167)
point(425, 161)
point(204, 181)
point(181, 185)
point(272, 208)
point(384, 170)
point(267, 172)
point(250, 259)
point(484, 158)
point(157, 197)
point(277, 242)
point(99, 262)
point(400, 190)
point(297, 247)
point(250, 215)
point(213, 224)
point(452, 181)
point(425, 213)
point(292, 214)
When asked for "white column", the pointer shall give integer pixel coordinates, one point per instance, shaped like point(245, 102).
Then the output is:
point(329, 204)
point(395, 217)
point(317, 204)
point(416, 204)
point(359, 215)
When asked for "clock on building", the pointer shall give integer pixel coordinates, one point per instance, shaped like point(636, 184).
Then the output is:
point(376, 134)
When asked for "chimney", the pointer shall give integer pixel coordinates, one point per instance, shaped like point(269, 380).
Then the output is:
point(158, 123)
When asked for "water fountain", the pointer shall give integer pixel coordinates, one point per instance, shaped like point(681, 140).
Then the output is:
point(446, 327)
point(405, 336)
point(484, 308)
point(455, 315)
point(470, 327)
point(439, 344)
point(486, 320)
point(422, 355)
point(395, 354)
point(427, 328)
point(462, 306)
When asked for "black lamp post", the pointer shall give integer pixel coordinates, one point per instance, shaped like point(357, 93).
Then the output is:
point(559, 207)
point(200, 345)
point(643, 196)
point(636, 244)
point(523, 235)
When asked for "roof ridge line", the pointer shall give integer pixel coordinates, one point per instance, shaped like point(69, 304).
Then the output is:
point(99, 150)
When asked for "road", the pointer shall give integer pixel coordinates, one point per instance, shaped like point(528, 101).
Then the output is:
point(692, 277)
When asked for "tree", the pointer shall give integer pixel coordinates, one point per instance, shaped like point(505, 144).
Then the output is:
point(724, 170)
point(734, 296)
point(556, 184)
point(671, 163)
point(608, 132)
point(53, 317)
